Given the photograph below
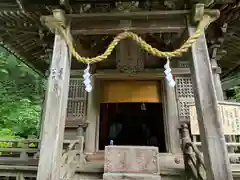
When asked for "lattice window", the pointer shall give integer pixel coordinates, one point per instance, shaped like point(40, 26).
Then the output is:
point(183, 107)
point(185, 96)
point(76, 99)
point(184, 87)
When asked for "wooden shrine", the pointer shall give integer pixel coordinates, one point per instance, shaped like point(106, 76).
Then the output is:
point(132, 110)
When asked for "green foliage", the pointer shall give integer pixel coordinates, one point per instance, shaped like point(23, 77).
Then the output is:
point(6, 133)
point(21, 95)
point(237, 93)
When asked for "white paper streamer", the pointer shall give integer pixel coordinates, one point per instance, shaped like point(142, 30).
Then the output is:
point(86, 79)
point(168, 74)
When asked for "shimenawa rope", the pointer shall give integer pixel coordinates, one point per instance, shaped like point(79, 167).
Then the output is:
point(54, 24)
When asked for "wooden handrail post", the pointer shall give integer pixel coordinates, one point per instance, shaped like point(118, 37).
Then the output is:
point(184, 132)
point(24, 154)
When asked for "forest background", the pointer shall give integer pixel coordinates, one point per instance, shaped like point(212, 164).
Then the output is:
point(21, 98)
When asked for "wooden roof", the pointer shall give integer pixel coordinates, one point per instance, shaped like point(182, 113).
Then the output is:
point(22, 33)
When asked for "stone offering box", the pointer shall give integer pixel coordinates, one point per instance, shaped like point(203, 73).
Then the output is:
point(131, 159)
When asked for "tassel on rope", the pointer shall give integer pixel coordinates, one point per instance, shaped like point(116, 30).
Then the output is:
point(168, 74)
point(86, 79)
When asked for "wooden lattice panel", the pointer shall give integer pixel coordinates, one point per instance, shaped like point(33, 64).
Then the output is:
point(184, 87)
point(183, 107)
point(185, 96)
point(76, 99)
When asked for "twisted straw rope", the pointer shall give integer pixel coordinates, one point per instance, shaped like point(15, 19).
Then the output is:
point(53, 24)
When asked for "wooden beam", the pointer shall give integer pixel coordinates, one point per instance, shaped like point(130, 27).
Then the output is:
point(19, 30)
point(147, 15)
point(141, 22)
point(138, 26)
point(55, 113)
point(146, 75)
point(212, 138)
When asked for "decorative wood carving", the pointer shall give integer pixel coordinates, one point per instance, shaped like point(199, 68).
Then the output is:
point(127, 6)
point(128, 54)
point(129, 57)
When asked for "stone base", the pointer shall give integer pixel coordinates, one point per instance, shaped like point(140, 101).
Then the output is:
point(131, 159)
point(130, 176)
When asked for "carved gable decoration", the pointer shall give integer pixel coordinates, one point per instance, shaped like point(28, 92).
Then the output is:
point(129, 56)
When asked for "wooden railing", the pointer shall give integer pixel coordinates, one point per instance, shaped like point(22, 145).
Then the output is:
point(20, 158)
point(193, 159)
point(229, 116)
point(21, 152)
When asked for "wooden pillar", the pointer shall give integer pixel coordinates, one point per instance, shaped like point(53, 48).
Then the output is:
point(218, 87)
point(211, 132)
point(90, 142)
point(55, 109)
point(172, 119)
point(216, 77)
point(42, 119)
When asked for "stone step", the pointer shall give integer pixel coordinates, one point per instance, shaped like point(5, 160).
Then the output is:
point(130, 176)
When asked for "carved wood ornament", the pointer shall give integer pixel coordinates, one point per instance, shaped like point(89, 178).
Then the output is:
point(129, 56)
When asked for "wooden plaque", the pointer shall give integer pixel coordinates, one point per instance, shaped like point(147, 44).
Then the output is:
point(229, 115)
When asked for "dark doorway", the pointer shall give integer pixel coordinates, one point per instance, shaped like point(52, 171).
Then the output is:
point(138, 124)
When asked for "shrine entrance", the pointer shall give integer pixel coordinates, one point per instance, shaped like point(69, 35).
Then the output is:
point(131, 113)
point(136, 124)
